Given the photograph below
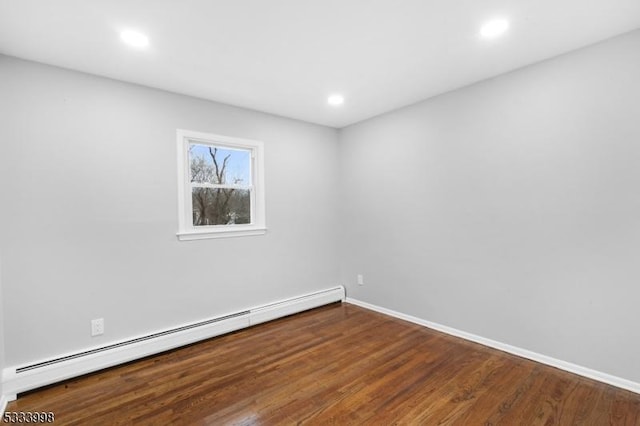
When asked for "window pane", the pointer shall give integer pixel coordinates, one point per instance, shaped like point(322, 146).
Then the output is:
point(221, 206)
point(219, 165)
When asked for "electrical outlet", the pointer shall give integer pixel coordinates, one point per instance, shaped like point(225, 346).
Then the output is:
point(97, 327)
point(360, 279)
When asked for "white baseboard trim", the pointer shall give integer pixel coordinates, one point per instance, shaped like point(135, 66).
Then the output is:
point(3, 404)
point(524, 353)
point(18, 379)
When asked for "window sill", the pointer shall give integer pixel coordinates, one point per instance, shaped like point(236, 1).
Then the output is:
point(220, 233)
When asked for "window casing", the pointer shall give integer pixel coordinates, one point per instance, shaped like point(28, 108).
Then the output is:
point(220, 186)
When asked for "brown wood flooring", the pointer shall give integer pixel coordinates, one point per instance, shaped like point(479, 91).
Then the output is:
point(339, 364)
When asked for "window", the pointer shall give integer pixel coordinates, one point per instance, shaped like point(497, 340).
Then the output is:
point(220, 186)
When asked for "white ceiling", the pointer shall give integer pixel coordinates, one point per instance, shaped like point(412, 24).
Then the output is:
point(286, 56)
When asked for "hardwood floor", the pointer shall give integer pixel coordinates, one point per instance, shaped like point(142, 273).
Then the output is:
point(338, 364)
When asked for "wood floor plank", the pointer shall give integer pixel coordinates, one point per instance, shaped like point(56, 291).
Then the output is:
point(339, 364)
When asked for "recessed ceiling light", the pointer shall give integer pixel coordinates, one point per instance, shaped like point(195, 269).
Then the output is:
point(335, 100)
point(134, 38)
point(494, 28)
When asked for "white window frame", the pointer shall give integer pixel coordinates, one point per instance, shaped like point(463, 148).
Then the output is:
point(186, 230)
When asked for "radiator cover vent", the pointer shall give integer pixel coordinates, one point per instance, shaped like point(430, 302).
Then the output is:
point(129, 342)
point(65, 366)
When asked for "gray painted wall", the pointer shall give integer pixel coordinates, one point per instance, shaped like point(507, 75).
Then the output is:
point(2, 327)
point(509, 209)
point(89, 212)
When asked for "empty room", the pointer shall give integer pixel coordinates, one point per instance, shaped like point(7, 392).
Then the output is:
point(320, 212)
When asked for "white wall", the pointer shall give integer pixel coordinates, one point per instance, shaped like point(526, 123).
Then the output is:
point(508, 209)
point(89, 212)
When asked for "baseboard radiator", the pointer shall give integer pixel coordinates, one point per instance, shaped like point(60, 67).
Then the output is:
point(27, 377)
